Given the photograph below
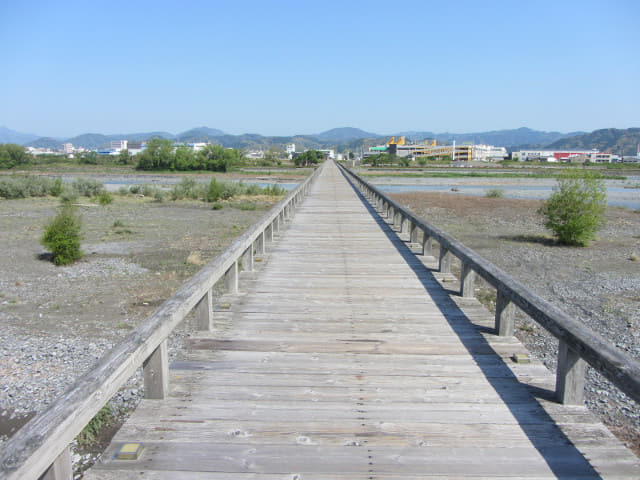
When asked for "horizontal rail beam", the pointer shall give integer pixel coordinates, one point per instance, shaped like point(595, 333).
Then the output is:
point(614, 364)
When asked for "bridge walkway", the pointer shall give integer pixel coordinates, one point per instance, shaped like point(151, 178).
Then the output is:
point(345, 357)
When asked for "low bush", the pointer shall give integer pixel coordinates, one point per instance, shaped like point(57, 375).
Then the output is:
point(29, 186)
point(575, 210)
point(62, 236)
point(494, 193)
point(105, 198)
point(87, 187)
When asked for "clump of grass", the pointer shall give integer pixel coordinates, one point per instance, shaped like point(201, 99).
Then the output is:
point(104, 418)
point(634, 257)
point(217, 206)
point(494, 193)
point(246, 206)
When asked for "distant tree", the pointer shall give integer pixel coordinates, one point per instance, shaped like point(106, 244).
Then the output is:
point(157, 156)
point(124, 157)
point(351, 156)
point(272, 155)
point(575, 210)
point(214, 158)
point(12, 155)
point(310, 157)
point(186, 159)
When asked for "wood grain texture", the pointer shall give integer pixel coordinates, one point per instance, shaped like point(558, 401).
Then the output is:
point(344, 357)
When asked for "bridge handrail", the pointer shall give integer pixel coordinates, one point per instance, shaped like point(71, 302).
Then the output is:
point(578, 343)
point(41, 446)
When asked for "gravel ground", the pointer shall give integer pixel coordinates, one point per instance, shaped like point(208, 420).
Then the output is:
point(599, 284)
point(56, 322)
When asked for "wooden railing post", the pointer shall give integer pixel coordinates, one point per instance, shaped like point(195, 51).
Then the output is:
point(156, 373)
point(247, 259)
point(231, 278)
point(467, 281)
point(413, 232)
point(204, 312)
point(445, 260)
point(269, 233)
point(570, 375)
point(260, 250)
point(427, 244)
point(61, 469)
point(505, 315)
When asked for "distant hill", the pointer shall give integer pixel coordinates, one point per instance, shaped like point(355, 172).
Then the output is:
point(11, 136)
point(45, 142)
point(612, 140)
point(354, 139)
point(199, 134)
point(344, 134)
point(503, 138)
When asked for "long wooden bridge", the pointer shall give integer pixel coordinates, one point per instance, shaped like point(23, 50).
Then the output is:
point(345, 350)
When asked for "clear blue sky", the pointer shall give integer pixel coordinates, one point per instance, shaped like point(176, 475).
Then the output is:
point(284, 67)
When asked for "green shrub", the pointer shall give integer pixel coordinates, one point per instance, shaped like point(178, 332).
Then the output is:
point(575, 210)
point(134, 189)
point(494, 193)
point(215, 191)
point(57, 188)
point(62, 236)
point(217, 206)
point(87, 187)
point(29, 186)
point(105, 198)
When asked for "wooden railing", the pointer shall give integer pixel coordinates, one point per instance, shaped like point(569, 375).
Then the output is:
point(41, 447)
point(577, 343)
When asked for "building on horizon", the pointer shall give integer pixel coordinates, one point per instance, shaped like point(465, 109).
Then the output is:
point(67, 148)
point(118, 145)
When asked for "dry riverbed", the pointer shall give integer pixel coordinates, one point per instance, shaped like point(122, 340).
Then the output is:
point(56, 322)
point(600, 284)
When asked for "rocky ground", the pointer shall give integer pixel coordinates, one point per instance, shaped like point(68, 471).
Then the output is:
point(56, 322)
point(599, 284)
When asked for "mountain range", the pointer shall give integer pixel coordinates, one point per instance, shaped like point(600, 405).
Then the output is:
point(349, 138)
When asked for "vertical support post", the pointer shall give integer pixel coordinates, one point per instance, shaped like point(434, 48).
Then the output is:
point(231, 278)
point(276, 224)
point(156, 373)
point(260, 250)
point(204, 312)
point(247, 260)
point(268, 232)
point(570, 376)
point(413, 232)
point(445, 260)
point(467, 281)
point(61, 468)
point(427, 245)
point(505, 315)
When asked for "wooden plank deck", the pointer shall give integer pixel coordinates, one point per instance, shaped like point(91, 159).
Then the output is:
point(344, 357)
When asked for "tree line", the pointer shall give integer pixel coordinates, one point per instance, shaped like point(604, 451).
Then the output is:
point(160, 154)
